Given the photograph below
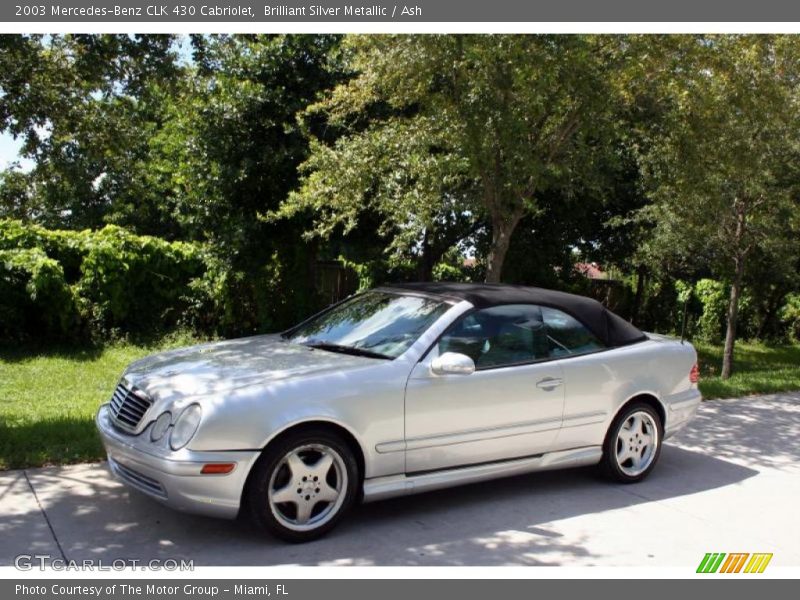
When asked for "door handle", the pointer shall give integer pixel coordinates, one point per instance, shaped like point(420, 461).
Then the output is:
point(549, 383)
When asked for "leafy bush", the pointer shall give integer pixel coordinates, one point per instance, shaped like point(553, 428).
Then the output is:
point(452, 268)
point(232, 302)
point(111, 282)
point(71, 284)
point(706, 303)
point(714, 300)
point(714, 297)
point(790, 316)
point(134, 282)
point(35, 299)
point(375, 272)
point(66, 247)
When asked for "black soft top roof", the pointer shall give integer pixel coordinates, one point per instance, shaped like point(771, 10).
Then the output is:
point(610, 328)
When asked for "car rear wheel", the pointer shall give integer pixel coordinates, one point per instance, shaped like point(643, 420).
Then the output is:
point(633, 444)
point(303, 485)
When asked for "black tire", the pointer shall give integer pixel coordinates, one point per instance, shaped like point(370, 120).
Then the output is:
point(610, 466)
point(275, 517)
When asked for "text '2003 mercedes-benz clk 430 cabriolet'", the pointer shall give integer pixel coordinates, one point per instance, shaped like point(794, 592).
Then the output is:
point(401, 389)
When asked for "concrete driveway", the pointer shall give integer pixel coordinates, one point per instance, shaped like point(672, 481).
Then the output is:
point(728, 484)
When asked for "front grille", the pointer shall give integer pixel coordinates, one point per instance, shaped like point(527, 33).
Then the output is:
point(128, 407)
point(138, 480)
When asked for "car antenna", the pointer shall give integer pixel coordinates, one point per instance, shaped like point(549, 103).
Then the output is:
point(683, 319)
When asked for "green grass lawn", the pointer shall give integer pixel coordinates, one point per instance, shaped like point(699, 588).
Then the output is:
point(757, 369)
point(48, 397)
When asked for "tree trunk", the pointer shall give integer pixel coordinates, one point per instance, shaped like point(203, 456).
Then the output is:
point(502, 228)
point(641, 274)
point(427, 260)
point(733, 314)
point(311, 267)
point(733, 302)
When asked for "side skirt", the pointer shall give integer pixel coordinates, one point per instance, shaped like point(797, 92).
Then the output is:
point(391, 486)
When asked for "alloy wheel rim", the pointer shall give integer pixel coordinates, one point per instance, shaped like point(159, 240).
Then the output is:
point(308, 487)
point(636, 444)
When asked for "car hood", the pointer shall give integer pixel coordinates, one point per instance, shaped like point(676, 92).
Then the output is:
point(217, 367)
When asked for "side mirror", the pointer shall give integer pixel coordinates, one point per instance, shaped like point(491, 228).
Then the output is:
point(452, 363)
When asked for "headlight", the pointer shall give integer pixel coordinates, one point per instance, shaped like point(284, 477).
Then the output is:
point(160, 427)
point(185, 426)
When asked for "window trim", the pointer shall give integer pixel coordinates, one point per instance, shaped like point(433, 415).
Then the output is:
point(537, 361)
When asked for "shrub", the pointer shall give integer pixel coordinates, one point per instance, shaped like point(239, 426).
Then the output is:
point(270, 296)
point(73, 284)
point(136, 283)
point(790, 316)
point(66, 247)
point(452, 268)
point(228, 301)
point(714, 300)
point(35, 299)
point(372, 273)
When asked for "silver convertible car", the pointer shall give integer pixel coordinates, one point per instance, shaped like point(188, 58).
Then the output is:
point(394, 391)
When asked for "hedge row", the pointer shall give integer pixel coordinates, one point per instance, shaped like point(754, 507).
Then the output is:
point(706, 305)
point(76, 284)
point(79, 285)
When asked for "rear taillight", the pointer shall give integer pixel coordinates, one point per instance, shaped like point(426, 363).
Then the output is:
point(694, 374)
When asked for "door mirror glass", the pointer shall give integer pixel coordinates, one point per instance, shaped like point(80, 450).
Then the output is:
point(452, 363)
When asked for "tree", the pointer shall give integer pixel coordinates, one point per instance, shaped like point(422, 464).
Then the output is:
point(85, 107)
point(718, 173)
point(485, 124)
point(229, 150)
point(122, 130)
point(240, 143)
point(16, 197)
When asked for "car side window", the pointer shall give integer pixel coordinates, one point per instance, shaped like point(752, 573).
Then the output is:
point(566, 335)
point(499, 336)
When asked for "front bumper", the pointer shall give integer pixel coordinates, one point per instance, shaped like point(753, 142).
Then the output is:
point(174, 478)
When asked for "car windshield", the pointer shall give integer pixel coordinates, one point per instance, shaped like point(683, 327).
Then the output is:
point(376, 324)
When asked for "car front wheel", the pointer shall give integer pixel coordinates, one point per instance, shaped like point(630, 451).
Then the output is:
point(303, 485)
point(633, 444)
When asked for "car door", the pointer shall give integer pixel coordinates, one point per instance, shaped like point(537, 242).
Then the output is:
point(591, 379)
point(510, 406)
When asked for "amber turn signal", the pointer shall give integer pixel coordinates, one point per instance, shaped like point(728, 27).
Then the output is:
point(217, 468)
